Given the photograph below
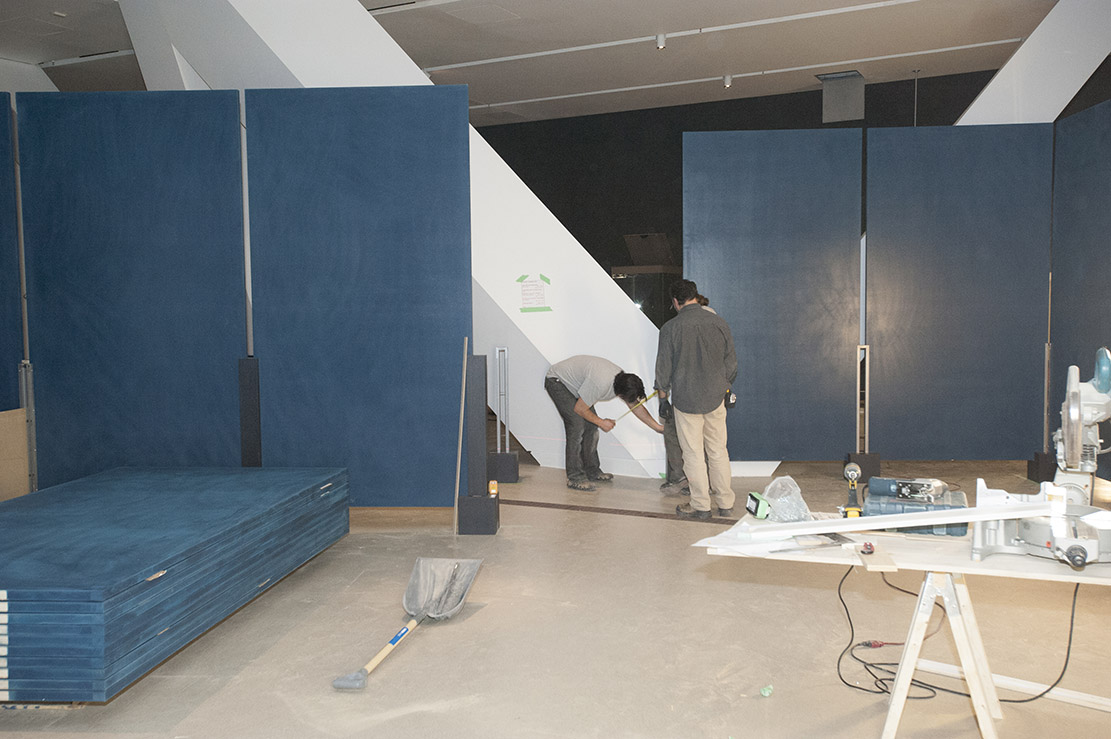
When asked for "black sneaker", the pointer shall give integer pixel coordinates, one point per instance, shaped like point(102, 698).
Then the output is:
point(672, 488)
point(725, 512)
point(602, 477)
point(583, 485)
point(685, 511)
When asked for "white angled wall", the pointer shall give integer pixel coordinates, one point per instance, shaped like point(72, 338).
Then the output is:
point(19, 77)
point(336, 43)
point(1049, 68)
point(514, 235)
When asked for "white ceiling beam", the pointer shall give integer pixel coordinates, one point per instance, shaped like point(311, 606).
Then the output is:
point(741, 75)
point(668, 34)
point(153, 49)
point(385, 8)
point(22, 77)
point(85, 59)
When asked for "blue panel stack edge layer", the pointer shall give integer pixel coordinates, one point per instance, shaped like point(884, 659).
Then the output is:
point(104, 577)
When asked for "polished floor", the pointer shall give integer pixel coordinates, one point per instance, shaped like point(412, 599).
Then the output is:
point(593, 616)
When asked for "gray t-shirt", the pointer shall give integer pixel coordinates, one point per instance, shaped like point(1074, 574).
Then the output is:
point(591, 378)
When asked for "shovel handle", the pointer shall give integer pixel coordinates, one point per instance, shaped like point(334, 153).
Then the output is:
point(384, 651)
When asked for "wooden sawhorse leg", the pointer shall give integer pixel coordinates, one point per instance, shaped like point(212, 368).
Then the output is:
point(962, 621)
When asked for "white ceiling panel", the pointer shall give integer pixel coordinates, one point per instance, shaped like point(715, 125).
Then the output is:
point(768, 46)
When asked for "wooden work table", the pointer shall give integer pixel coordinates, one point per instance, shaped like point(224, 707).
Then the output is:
point(944, 560)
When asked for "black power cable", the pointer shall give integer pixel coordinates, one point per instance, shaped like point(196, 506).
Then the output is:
point(882, 681)
point(1068, 652)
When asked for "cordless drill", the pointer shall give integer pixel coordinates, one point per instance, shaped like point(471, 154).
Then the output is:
point(852, 507)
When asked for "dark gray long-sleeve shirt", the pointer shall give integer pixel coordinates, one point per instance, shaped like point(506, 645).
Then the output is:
point(696, 362)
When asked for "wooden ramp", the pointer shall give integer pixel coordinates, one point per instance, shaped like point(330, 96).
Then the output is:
point(104, 577)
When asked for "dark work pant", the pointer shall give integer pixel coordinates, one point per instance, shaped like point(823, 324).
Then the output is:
point(582, 436)
point(673, 450)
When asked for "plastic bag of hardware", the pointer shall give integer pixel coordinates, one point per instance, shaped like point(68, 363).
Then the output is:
point(785, 503)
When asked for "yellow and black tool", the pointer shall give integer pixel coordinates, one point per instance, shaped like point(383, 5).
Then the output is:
point(634, 407)
point(852, 508)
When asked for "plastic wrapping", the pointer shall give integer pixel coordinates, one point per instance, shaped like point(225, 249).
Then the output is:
point(785, 501)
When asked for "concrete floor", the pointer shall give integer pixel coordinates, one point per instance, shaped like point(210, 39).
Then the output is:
point(583, 623)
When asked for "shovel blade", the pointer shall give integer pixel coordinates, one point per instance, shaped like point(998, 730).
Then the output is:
point(438, 587)
point(354, 681)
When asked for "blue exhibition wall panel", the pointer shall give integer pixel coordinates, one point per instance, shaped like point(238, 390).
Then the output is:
point(958, 224)
point(133, 230)
point(771, 235)
point(11, 321)
point(361, 264)
point(1081, 315)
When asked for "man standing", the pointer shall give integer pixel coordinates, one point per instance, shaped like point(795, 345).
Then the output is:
point(575, 385)
point(676, 480)
point(695, 367)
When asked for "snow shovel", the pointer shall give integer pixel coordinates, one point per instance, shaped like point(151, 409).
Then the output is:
point(436, 590)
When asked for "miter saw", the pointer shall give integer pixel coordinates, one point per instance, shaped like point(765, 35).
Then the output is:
point(1075, 532)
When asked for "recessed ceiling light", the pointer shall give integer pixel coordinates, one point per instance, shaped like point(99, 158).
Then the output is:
point(838, 75)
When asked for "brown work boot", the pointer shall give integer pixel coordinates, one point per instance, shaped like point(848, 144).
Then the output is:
point(685, 511)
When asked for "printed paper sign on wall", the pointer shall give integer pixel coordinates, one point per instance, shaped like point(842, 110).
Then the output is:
point(534, 297)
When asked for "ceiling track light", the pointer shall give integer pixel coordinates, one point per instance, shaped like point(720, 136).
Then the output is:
point(727, 80)
point(661, 40)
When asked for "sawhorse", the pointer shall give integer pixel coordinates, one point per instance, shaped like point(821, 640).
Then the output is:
point(953, 592)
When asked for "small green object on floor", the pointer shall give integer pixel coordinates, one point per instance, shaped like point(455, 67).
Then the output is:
point(766, 691)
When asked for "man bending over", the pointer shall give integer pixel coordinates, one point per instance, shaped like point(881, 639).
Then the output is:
point(575, 385)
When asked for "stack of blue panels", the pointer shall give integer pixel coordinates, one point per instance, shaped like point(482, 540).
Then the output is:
point(104, 577)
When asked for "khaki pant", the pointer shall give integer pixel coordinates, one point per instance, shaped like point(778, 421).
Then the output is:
point(705, 457)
